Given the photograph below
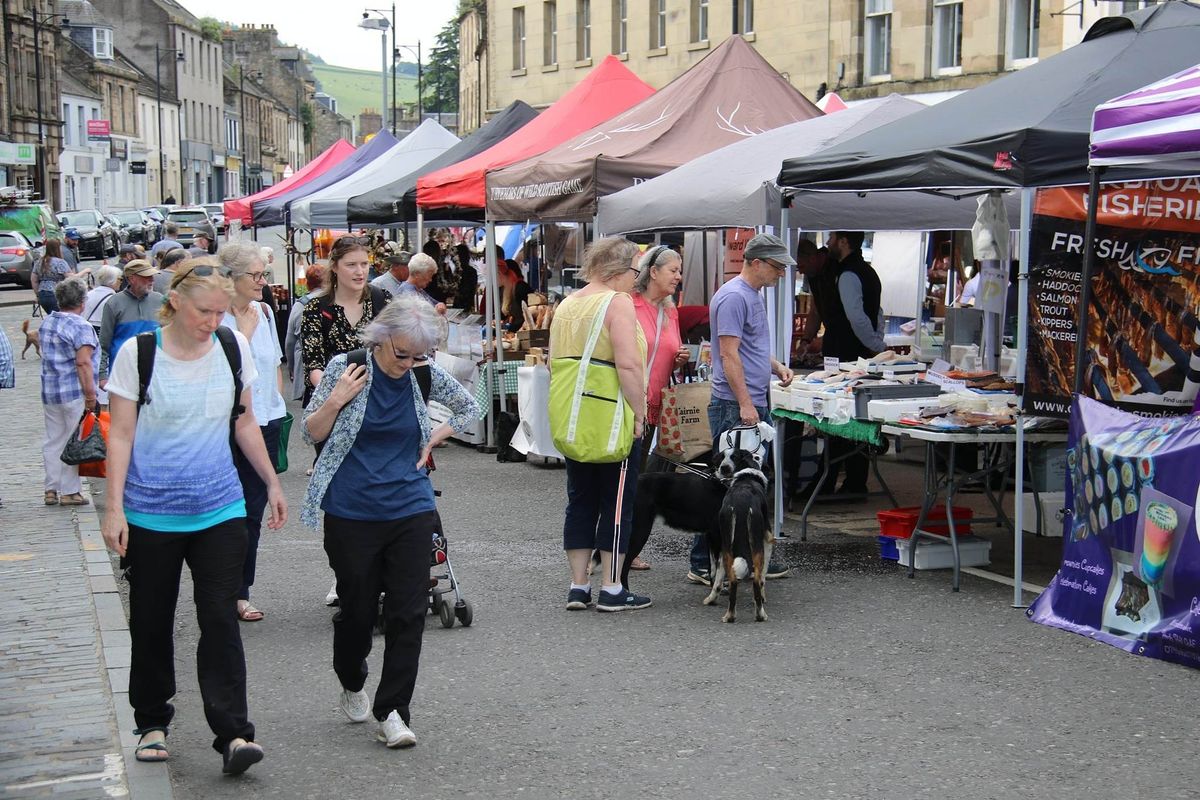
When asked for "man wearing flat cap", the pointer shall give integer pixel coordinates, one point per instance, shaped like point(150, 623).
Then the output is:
point(742, 360)
point(130, 311)
point(393, 280)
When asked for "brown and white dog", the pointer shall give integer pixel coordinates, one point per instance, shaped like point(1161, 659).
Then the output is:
point(31, 339)
point(741, 545)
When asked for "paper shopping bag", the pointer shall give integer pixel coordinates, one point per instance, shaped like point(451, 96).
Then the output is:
point(683, 424)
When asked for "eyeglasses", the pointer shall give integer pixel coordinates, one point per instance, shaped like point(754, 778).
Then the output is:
point(780, 268)
point(200, 271)
point(254, 276)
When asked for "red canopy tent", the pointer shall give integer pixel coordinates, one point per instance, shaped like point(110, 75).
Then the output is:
point(608, 89)
point(239, 209)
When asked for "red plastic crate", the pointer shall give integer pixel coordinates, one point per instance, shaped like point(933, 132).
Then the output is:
point(899, 522)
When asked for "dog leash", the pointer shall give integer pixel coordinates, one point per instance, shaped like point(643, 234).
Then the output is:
point(712, 476)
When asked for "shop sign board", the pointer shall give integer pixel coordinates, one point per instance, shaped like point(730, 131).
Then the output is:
point(736, 240)
point(1143, 334)
point(98, 130)
point(17, 153)
point(137, 167)
point(1130, 572)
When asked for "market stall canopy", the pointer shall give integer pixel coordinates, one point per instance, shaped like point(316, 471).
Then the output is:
point(608, 89)
point(730, 95)
point(1029, 128)
point(734, 186)
point(397, 200)
point(327, 208)
point(239, 209)
point(1158, 125)
point(271, 211)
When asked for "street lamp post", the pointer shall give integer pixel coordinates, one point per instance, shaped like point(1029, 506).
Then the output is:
point(162, 150)
point(381, 24)
point(420, 101)
point(40, 167)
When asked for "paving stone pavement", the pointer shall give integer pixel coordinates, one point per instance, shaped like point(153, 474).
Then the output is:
point(63, 636)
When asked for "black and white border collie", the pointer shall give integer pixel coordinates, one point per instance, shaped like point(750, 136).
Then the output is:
point(740, 546)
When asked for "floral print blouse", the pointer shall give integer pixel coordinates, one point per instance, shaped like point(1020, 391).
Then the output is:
point(316, 348)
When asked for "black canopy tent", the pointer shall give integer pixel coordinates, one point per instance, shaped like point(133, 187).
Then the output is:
point(397, 202)
point(1025, 130)
point(1029, 128)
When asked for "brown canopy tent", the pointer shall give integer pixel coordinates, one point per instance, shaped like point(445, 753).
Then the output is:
point(729, 95)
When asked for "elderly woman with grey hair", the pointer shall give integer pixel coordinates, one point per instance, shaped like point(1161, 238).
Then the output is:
point(372, 482)
point(255, 320)
point(421, 271)
point(70, 362)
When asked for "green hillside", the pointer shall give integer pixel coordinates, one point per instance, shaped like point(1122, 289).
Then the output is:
point(356, 89)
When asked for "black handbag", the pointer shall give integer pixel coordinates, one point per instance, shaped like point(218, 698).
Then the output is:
point(86, 450)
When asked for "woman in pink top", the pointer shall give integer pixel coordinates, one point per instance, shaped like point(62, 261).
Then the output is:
point(660, 271)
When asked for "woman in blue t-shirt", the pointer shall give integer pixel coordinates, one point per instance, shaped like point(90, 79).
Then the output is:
point(173, 495)
point(372, 482)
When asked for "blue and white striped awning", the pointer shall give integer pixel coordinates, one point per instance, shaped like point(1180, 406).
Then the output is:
point(1156, 125)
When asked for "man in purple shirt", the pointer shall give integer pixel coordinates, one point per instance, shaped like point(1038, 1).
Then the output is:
point(742, 361)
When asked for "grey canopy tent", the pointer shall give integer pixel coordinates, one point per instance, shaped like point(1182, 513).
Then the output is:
point(397, 201)
point(1025, 130)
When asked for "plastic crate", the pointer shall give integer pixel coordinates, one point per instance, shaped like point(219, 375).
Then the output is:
point(899, 522)
point(972, 552)
point(887, 548)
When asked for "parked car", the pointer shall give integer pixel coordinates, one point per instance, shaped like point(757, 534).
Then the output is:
point(216, 212)
point(17, 257)
point(158, 218)
point(192, 220)
point(136, 227)
point(34, 220)
point(97, 236)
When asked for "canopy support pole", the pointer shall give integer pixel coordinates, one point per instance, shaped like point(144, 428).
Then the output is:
point(420, 228)
point(494, 295)
point(1027, 195)
point(783, 348)
point(1085, 279)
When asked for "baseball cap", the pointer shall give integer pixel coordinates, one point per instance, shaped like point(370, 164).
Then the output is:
point(73, 234)
point(403, 257)
point(765, 246)
point(142, 267)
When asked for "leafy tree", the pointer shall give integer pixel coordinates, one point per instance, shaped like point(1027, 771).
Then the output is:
point(441, 72)
point(210, 29)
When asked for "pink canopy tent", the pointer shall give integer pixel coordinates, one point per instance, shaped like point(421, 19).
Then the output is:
point(239, 209)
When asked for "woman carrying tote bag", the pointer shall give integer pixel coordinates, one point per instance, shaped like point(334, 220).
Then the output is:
point(597, 413)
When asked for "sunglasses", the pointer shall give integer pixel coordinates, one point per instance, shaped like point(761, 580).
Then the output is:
point(348, 239)
point(200, 271)
point(399, 356)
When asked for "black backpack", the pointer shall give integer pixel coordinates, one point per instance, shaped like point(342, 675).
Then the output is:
point(146, 347)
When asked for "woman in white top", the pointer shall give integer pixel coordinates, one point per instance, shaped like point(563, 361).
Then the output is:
point(253, 318)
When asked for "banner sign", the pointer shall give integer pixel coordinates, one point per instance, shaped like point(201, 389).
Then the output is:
point(98, 130)
point(12, 153)
point(1143, 335)
point(1130, 573)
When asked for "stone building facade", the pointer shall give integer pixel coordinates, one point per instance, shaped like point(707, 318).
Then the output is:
point(29, 143)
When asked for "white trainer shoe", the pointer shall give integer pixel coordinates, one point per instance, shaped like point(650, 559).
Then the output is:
point(356, 705)
point(331, 599)
point(394, 733)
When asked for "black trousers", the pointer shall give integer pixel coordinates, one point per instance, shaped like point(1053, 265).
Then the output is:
point(255, 492)
point(369, 558)
point(214, 556)
point(855, 466)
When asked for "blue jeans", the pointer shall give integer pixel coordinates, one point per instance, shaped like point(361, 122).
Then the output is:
point(722, 415)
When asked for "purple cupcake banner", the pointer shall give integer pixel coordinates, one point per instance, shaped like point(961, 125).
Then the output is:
point(1130, 574)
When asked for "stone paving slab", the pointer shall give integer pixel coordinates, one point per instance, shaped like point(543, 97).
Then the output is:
point(58, 729)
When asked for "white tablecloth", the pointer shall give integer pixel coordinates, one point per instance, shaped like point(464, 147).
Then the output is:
point(533, 402)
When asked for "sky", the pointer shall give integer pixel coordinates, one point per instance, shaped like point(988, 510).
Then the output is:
point(331, 29)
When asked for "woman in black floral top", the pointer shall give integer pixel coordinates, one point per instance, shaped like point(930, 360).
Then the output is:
point(333, 323)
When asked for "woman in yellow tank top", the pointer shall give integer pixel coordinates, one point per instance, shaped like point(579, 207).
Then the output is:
point(600, 496)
